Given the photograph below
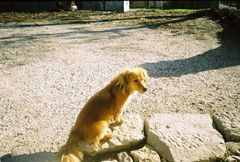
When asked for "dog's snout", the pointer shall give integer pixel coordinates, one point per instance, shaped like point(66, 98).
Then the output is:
point(144, 89)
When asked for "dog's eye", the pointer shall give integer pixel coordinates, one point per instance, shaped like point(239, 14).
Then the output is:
point(136, 81)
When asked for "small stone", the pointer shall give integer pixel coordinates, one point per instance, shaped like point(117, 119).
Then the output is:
point(232, 159)
point(124, 157)
point(109, 161)
point(145, 154)
point(233, 148)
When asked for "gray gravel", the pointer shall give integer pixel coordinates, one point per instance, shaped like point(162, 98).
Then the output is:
point(48, 72)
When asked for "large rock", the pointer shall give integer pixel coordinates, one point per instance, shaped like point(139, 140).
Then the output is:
point(185, 137)
point(129, 134)
point(228, 124)
point(145, 154)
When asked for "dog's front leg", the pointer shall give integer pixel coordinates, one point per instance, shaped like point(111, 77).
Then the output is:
point(117, 121)
point(118, 117)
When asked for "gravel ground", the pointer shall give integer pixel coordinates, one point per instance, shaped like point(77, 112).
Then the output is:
point(47, 73)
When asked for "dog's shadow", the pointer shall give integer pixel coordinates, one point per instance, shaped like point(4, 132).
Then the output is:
point(35, 157)
point(49, 157)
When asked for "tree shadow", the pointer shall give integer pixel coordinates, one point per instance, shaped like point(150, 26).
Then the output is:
point(226, 55)
point(153, 21)
point(67, 20)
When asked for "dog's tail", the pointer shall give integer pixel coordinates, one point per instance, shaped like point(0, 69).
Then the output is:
point(70, 152)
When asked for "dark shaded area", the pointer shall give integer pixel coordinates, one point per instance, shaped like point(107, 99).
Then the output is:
point(35, 157)
point(69, 20)
point(227, 55)
point(173, 4)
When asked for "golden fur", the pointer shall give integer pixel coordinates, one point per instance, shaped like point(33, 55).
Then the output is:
point(104, 107)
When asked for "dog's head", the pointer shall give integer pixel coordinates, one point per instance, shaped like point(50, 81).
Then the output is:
point(133, 80)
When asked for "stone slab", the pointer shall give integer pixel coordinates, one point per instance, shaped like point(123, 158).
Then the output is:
point(185, 137)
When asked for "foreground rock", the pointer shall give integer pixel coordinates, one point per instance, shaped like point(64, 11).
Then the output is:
point(127, 135)
point(145, 154)
point(228, 124)
point(185, 137)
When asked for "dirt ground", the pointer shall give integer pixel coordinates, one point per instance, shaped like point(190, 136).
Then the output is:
point(50, 64)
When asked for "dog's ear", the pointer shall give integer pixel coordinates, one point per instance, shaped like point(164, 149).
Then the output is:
point(123, 79)
point(145, 73)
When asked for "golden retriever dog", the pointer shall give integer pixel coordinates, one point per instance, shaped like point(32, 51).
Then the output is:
point(103, 108)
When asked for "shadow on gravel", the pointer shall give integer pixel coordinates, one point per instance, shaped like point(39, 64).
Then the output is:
point(152, 22)
point(79, 20)
point(35, 157)
point(227, 55)
point(74, 21)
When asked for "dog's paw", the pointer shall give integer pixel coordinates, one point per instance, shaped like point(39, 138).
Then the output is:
point(120, 122)
point(105, 138)
point(115, 124)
